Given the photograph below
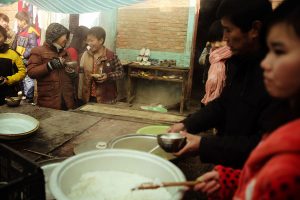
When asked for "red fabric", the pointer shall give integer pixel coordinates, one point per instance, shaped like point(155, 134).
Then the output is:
point(273, 169)
point(72, 53)
point(20, 5)
point(229, 179)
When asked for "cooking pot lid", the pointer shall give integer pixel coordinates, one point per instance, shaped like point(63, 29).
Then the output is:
point(89, 145)
point(16, 125)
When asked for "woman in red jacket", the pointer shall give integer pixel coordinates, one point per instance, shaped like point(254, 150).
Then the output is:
point(272, 171)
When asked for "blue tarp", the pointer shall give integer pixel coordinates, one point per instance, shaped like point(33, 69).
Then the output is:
point(3, 2)
point(80, 6)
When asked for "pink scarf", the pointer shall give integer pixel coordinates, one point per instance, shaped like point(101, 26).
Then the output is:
point(216, 74)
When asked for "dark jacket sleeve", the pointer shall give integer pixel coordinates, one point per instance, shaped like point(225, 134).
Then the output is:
point(227, 150)
point(208, 117)
point(233, 150)
point(36, 68)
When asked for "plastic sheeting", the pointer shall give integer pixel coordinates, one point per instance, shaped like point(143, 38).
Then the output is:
point(80, 6)
point(4, 2)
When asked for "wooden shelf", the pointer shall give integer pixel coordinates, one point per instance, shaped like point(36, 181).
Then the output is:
point(157, 78)
point(155, 72)
point(159, 68)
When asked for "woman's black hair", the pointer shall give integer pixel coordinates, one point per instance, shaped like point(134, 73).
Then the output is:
point(215, 32)
point(79, 37)
point(243, 13)
point(3, 32)
point(4, 47)
point(287, 12)
point(23, 15)
point(98, 32)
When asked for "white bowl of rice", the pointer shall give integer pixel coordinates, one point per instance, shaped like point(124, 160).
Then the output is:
point(110, 174)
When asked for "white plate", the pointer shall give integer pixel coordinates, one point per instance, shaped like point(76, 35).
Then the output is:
point(16, 125)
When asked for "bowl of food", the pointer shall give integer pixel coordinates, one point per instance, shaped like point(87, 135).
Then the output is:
point(112, 174)
point(13, 101)
point(72, 64)
point(171, 142)
point(96, 76)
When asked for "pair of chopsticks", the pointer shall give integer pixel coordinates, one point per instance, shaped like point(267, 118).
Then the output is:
point(145, 186)
point(38, 153)
point(43, 154)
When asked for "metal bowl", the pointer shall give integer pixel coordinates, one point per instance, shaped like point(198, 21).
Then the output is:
point(72, 64)
point(68, 173)
point(171, 142)
point(13, 101)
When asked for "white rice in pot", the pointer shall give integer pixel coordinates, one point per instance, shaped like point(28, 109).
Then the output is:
point(114, 185)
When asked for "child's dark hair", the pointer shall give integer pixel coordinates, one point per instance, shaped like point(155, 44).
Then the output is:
point(287, 12)
point(4, 17)
point(22, 15)
point(244, 13)
point(215, 32)
point(98, 32)
point(3, 32)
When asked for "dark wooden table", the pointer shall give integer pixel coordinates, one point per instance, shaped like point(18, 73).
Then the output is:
point(56, 128)
point(60, 131)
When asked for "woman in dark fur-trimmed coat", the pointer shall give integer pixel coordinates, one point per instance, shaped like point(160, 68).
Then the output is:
point(47, 65)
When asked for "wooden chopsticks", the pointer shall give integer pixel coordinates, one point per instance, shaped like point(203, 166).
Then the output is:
point(145, 186)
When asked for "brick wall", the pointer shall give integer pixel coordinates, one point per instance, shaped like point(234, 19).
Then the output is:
point(10, 11)
point(160, 25)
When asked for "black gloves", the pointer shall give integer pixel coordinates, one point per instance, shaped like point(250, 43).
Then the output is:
point(55, 63)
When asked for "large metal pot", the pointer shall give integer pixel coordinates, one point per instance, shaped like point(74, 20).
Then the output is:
point(69, 171)
point(139, 142)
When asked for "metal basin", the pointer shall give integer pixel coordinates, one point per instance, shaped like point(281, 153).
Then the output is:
point(139, 142)
point(16, 125)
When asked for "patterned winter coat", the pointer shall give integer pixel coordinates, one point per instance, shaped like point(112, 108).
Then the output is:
point(105, 92)
point(25, 40)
